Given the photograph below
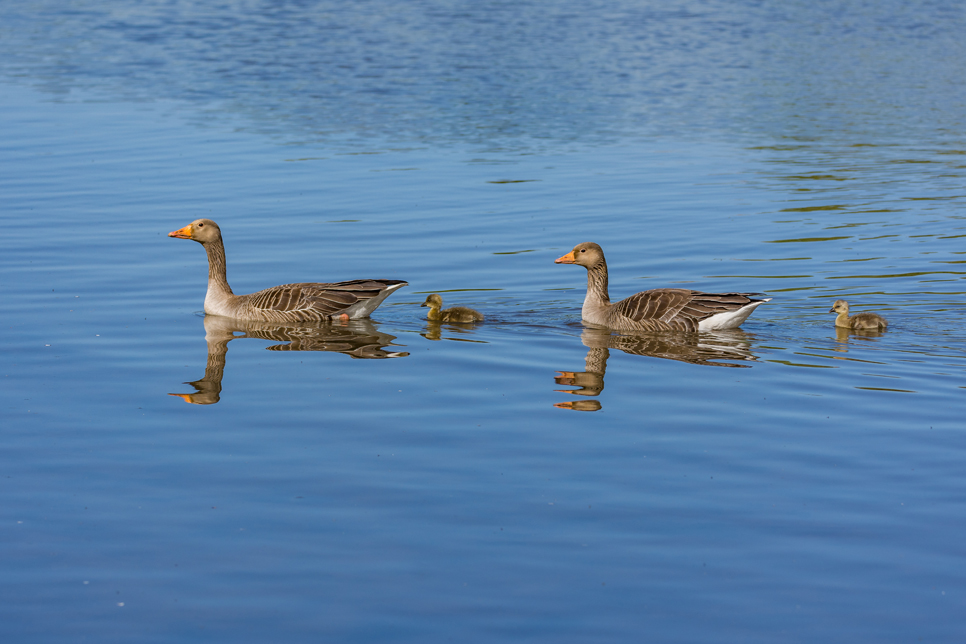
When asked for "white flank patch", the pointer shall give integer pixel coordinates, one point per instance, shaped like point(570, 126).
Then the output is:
point(729, 319)
point(364, 308)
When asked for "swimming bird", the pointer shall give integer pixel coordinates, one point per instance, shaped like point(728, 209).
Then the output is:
point(870, 321)
point(303, 302)
point(659, 309)
point(459, 314)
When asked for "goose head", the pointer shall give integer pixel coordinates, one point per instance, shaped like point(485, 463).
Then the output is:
point(587, 255)
point(434, 301)
point(202, 231)
point(840, 306)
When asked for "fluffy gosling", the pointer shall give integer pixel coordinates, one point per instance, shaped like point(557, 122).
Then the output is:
point(459, 314)
point(868, 321)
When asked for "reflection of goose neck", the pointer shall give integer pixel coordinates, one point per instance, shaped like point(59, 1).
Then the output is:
point(208, 389)
point(589, 382)
point(596, 361)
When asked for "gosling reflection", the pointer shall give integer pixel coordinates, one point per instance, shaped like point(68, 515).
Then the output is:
point(843, 335)
point(434, 331)
point(711, 349)
point(355, 338)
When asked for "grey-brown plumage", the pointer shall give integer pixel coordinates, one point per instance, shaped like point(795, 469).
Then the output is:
point(458, 314)
point(302, 302)
point(868, 321)
point(659, 309)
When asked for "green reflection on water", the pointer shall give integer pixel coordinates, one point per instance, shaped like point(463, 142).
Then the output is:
point(814, 208)
point(456, 290)
point(817, 177)
point(916, 274)
point(809, 239)
point(788, 363)
point(777, 277)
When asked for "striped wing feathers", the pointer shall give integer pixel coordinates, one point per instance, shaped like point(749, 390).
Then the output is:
point(313, 300)
point(677, 308)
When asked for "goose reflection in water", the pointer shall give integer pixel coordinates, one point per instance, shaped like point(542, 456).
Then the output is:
point(718, 349)
point(355, 338)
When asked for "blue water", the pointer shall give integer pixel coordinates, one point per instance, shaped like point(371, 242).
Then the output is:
point(402, 481)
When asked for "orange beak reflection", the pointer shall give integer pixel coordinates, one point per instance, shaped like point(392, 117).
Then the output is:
point(566, 259)
point(182, 233)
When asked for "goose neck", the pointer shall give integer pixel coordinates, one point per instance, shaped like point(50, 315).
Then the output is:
point(217, 269)
point(597, 284)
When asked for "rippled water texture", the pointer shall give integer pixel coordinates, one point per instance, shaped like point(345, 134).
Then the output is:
point(528, 478)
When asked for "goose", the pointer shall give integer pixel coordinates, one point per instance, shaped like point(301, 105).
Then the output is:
point(871, 321)
point(459, 314)
point(304, 302)
point(659, 309)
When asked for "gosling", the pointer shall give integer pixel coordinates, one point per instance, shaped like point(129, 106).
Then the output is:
point(867, 321)
point(459, 314)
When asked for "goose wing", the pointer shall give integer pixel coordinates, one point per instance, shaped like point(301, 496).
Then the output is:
point(314, 300)
point(679, 308)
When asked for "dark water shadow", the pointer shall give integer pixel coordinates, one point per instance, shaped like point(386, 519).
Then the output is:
point(717, 349)
point(355, 338)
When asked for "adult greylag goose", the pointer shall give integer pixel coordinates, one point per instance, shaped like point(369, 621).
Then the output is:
point(659, 309)
point(303, 302)
point(459, 314)
point(868, 321)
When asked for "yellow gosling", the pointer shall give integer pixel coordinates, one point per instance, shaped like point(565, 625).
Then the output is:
point(458, 314)
point(868, 321)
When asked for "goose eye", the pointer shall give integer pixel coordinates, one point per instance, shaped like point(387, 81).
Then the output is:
point(201, 225)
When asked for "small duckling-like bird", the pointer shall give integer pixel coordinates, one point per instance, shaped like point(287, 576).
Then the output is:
point(458, 314)
point(659, 309)
point(304, 302)
point(868, 321)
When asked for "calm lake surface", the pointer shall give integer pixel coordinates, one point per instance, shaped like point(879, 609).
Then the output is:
point(528, 479)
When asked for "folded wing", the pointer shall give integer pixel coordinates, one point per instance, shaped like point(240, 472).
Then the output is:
point(680, 309)
point(316, 301)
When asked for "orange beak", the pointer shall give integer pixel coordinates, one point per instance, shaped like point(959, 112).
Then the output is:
point(566, 259)
point(183, 233)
